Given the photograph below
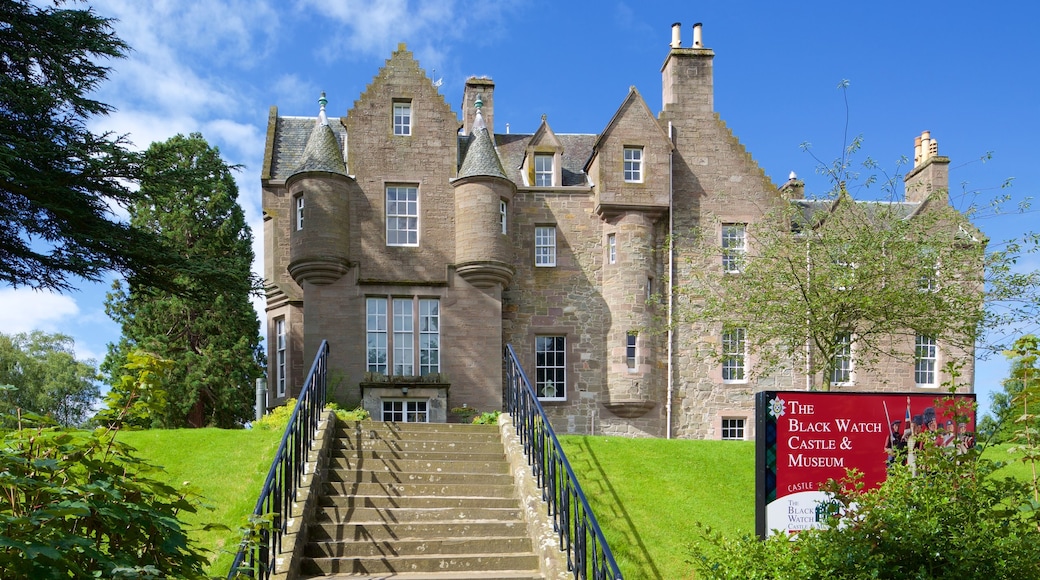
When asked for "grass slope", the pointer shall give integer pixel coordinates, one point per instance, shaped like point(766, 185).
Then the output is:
point(227, 467)
point(648, 495)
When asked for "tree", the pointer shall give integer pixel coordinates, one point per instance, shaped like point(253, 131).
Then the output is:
point(189, 199)
point(1021, 391)
point(821, 277)
point(58, 180)
point(44, 377)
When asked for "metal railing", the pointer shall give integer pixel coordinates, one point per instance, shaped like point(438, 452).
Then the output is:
point(256, 555)
point(588, 555)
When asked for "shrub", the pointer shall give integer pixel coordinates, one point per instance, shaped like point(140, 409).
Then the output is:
point(490, 418)
point(349, 415)
point(278, 418)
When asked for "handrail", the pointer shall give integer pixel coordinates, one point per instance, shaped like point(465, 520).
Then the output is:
point(285, 476)
point(580, 535)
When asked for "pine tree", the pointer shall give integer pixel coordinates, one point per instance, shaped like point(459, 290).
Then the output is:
point(189, 198)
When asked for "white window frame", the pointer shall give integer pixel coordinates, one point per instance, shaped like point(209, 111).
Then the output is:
point(843, 368)
point(503, 215)
point(734, 355)
point(402, 118)
point(550, 368)
point(405, 410)
point(733, 429)
point(402, 335)
point(402, 215)
point(926, 361)
point(543, 176)
point(734, 247)
point(631, 350)
point(299, 212)
point(612, 248)
point(545, 246)
point(633, 164)
point(281, 355)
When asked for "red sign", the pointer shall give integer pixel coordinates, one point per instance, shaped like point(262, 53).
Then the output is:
point(806, 438)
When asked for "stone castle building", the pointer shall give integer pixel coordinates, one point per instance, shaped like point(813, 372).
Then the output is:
point(419, 245)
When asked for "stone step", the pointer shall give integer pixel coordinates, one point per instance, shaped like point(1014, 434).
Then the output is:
point(414, 430)
point(389, 531)
point(433, 563)
point(439, 546)
point(481, 575)
point(391, 477)
point(416, 502)
point(389, 455)
point(364, 515)
point(418, 465)
point(418, 489)
point(489, 446)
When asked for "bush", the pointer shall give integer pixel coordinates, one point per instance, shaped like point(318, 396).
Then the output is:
point(79, 504)
point(490, 418)
point(278, 418)
point(349, 415)
point(953, 519)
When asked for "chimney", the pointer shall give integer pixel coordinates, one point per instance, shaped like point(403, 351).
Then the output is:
point(676, 33)
point(930, 176)
point(687, 88)
point(794, 188)
point(484, 88)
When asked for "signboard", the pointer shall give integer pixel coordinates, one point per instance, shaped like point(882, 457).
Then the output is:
point(805, 438)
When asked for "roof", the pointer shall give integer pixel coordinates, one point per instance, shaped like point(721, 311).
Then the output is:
point(577, 148)
point(479, 156)
point(290, 141)
point(808, 208)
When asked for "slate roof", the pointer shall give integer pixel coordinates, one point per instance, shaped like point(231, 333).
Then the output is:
point(290, 141)
point(479, 156)
point(577, 148)
point(807, 208)
point(323, 151)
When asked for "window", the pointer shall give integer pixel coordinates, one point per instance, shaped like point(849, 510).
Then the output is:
point(543, 170)
point(545, 246)
point(734, 247)
point(841, 373)
point(406, 411)
point(550, 368)
point(630, 350)
point(926, 357)
point(402, 216)
point(299, 212)
point(403, 118)
point(929, 277)
point(634, 164)
point(502, 214)
point(733, 429)
point(279, 368)
point(734, 355)
point(394, 337)
point(611, 249)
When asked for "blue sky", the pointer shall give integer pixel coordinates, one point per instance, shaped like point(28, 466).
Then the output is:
point(965, 71)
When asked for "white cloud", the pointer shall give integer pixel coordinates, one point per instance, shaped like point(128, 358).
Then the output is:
point(26, 310)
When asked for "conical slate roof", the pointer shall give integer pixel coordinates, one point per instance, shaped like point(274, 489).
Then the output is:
point(481, 157)
point(322, 151)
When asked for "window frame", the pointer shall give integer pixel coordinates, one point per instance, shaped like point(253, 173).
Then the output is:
point(546, 370)
point(926, 366)
point(734, 360)
point(299, 204)
point(406, 412)
point(843, 365)
point(633, 164)
point(632, 350)
point(404, 332)
point(733, 426)
point(612, 248)
point(543, 177)
point(503, 216)
point(281, 357)
point(402, 118)
point(733, 256)
point(411, 206)
point(545, 246)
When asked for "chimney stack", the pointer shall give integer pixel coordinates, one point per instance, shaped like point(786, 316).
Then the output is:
point(931, 172)
point(697, 41)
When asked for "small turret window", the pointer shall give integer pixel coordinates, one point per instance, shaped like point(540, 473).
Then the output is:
point(299, 212)
point(503, 215)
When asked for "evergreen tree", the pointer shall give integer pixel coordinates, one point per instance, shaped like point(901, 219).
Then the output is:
point(59, 180)
point(211, 333)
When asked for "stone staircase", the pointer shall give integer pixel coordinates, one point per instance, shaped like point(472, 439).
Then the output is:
point(418, 501)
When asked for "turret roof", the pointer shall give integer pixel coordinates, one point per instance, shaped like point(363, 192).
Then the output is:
point(322, 151)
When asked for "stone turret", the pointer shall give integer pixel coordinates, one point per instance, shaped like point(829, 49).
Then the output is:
point(319, 248)
point(483, 196)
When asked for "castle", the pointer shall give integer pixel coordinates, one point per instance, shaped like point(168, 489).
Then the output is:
point(419, 245)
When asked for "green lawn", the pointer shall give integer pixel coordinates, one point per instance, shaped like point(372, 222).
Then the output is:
point(227, 467)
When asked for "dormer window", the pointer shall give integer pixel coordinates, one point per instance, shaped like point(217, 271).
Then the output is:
point(543, 170)
point(402, 118)
point(633, 164)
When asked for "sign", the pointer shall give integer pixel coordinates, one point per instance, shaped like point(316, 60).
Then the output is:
point(805, 438)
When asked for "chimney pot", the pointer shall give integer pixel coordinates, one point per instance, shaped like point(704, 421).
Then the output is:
point(676, 35)
point(697, 40)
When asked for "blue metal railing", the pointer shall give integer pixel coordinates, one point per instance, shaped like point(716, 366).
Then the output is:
point(256, 555)
point(588, 555)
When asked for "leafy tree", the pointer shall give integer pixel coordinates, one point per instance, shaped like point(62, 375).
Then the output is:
point(189, 198)
point(1016, 400)
point(58, 180)
point(139, 399)
point(80, 504)
point(819, 274)
point(45, 377)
